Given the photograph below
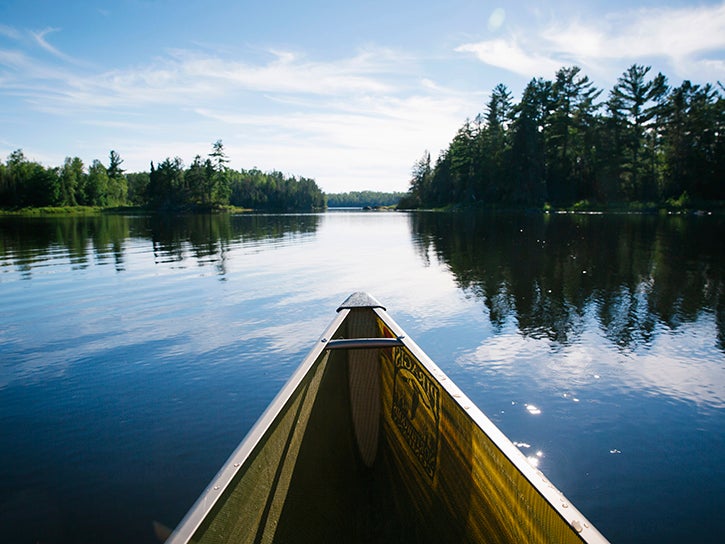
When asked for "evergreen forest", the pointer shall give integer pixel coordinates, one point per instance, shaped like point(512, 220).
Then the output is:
point(567, 145)
point(207, 184)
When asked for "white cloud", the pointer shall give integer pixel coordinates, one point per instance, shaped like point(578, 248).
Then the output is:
point(671, 33)
point(9, 32)
point(40, 40)
point(677, 33)
point(13, 59)
point(689, 40)
point(185, 77)
point(354, 122)
point(665, 367)
point(371, 141)
point(287, 73)
point(508, 54)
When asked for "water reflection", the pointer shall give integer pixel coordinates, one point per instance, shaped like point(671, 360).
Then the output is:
point(128, 363)
point(636, 274)
point(28, 243)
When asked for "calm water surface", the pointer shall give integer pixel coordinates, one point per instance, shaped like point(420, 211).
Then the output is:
point(136, 352)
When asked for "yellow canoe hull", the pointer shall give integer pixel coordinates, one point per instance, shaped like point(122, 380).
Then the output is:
point(370, 441)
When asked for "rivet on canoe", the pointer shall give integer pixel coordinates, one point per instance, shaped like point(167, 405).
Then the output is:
point(576, 524)
point(216, 488)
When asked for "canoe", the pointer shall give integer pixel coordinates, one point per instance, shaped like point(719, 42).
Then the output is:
point(369, 441)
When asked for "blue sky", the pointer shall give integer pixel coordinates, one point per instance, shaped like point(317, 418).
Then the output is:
point(348, 93)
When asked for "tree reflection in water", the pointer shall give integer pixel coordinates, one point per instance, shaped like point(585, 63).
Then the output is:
point(635, 272)
point(28, 242)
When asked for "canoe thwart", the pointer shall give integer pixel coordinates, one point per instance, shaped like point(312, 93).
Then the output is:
point(362, 343)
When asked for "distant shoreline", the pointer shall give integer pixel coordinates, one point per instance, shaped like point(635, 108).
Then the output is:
point(56, 211)
point(705, 208)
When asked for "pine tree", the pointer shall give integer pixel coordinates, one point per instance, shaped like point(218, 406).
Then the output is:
point(528, 165)
point(637, 104)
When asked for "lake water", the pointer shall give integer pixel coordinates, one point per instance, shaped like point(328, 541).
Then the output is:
point(136, 352)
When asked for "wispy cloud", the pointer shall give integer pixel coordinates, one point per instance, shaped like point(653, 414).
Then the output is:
point(683, 37)
point(187, 77)
point(511, 55)
point(688, 41)
point(372, 139)
point(9, 32)
point(40, 40)
point(369, 114)
point(286, 73)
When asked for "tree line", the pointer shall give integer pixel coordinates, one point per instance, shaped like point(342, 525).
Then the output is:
point(206, 184)
point(361, 199)
point(560, 144)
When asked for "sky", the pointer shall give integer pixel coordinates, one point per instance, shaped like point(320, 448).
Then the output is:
point(350, 94)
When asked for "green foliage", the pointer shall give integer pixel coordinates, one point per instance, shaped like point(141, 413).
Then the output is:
point(568, 136)
point(25, 183)
point(582, 205)
point(167, 188)
point(207, 184)
point(528, 171)
point(420, 183)
point(137, 183)
point(71, 177)
point(680, 203)
point(117, 188)
point(274, 191)
point(361, 199)
point(96, 186)
point(74, 210)
point(218, 188)
point(557, 145)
